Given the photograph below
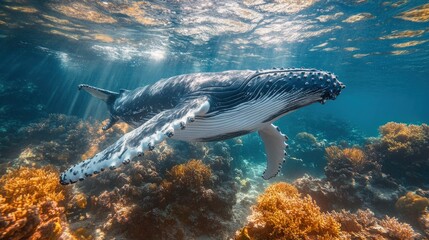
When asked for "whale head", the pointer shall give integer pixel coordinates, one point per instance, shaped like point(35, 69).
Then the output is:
point(299, 87)
point(321, 84)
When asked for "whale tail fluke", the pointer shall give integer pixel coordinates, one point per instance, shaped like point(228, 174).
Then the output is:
point(103, 94)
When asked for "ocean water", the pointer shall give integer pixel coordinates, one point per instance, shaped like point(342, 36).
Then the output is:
point(378, 49)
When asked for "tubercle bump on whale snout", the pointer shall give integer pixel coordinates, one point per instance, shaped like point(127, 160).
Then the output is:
point(330, 84)
point(307, 78)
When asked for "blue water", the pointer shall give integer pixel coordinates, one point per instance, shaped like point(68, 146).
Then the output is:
point(381, 86)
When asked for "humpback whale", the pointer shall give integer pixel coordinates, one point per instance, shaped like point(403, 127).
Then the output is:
point(206, 107)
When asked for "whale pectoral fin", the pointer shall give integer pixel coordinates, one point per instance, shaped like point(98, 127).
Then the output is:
point(141, 139)
point(274, 142)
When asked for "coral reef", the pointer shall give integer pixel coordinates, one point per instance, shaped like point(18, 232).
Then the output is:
point(358, 180)
point(355, 155)
point(405, 140)
point(403, 151)
point(57, 139)
point(31, 205)
point(282, 213)
point(319, 189)
point(414, 208)
point(364, 225)
point(424, 223)
point(376, 175)
point(412, 205)
point(162, 196)
point(306, 154)
point(61, 140)
point(308, 140)
point(192, 190)
point(189, 176)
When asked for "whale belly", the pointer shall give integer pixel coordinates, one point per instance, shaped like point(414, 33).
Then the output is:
point(239, 120)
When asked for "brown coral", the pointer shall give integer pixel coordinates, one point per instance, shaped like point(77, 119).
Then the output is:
point(79, 201)
point(358, 180)
point(282, 213)
point(424, 223)
point(403, 138)
point(354, 155)
point(191, 175)
point(29, 204)
point(364, 225)
point(403, 150)
point(320, 190)
point(397, 230)
point(412, 205)
point(306, 137)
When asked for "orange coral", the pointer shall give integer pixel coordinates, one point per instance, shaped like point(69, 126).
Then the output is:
point(355, 155)
point(29, 208)
point(282, 213)
point(412, 204)
point(192, 174)
point(404, 139)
